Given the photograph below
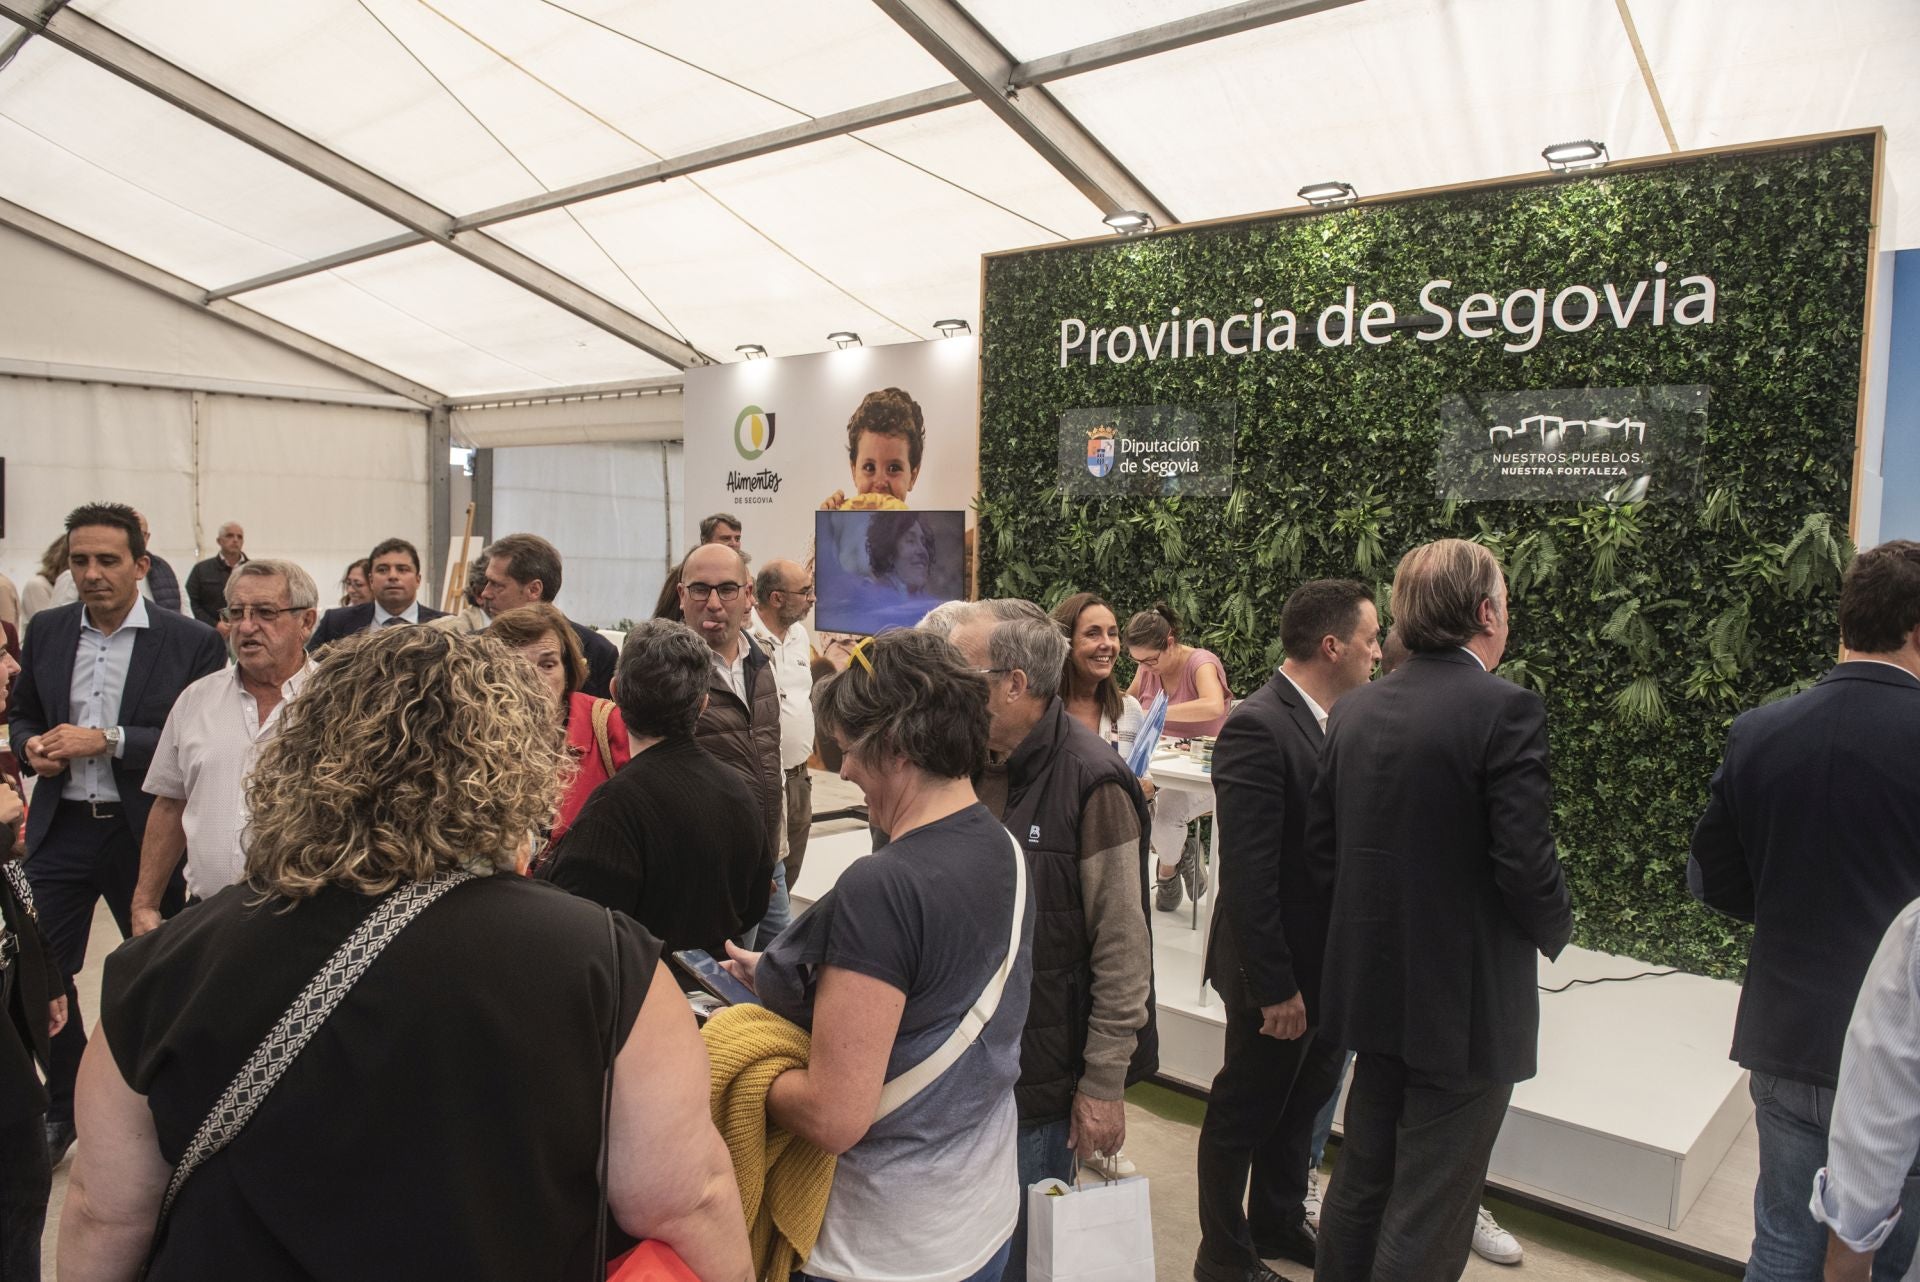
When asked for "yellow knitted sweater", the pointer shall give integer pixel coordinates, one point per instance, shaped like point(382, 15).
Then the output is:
point(784, 1180)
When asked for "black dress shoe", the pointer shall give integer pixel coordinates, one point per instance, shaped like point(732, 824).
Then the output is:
point(59, 1140)
point(1252, 1271)
point(1297, 1244)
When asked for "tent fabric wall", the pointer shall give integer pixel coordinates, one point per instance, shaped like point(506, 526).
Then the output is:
point(318, 484)
point(613, 510)
point(652, 415)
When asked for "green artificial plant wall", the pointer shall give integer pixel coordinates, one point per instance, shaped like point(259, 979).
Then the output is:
point(1646, 626)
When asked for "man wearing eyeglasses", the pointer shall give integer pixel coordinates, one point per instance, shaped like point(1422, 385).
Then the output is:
point(741, 723)
point(199, 772)
point(784, 596)
point(100, 677)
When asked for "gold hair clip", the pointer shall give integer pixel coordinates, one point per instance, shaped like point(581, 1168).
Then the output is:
point(859, 655)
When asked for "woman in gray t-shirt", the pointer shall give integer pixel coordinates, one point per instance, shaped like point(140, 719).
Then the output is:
point(884, 966)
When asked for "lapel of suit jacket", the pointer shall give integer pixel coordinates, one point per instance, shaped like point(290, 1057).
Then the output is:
point(147, 643)
point(1297, 709)
point(65, 644)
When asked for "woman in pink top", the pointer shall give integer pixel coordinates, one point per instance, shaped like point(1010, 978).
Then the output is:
point(1195, 683)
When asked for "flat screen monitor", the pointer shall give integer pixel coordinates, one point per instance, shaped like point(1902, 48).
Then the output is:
point(879, 570)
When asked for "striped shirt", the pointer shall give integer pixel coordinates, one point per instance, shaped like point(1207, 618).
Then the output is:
point(1876, 1106)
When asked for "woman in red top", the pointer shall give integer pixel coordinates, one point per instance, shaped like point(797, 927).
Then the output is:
point(1195, 683)
point(596, 737)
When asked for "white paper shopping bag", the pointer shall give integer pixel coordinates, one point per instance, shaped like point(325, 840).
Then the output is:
point(1100, 1233)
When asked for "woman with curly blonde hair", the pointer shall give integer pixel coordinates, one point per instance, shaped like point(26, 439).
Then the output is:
point(412, 758)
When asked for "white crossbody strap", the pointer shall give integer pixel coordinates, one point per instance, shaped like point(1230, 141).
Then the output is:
point(974, 1022)
point(270, 1060)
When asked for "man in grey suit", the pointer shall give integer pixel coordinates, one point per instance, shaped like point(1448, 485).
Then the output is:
point(1429, 829)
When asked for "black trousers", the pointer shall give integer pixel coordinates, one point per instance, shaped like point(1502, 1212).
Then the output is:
point(1412, 1166)
point(1259, 1122)
point(81, 861)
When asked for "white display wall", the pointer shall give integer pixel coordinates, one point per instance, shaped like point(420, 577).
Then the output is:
point(614, 511)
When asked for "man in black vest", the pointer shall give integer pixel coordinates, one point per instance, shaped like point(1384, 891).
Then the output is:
point(1077, 811)
point(1263, 957)
point(1443, 889)
point(1812, 833)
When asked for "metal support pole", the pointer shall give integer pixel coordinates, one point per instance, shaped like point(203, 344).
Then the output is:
point(439, 496)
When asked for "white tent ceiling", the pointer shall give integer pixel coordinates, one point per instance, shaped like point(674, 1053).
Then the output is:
point(398, 171)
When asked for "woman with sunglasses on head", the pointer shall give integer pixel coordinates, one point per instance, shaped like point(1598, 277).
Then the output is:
point(1195, 684)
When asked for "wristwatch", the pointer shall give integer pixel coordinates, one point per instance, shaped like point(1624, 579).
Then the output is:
point(113, 736)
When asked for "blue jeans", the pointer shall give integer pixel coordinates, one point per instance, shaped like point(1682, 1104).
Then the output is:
point(991, 1271)
point(1323, 1124)
point(1044, 1155)
point(1788, 1243)
point(779, 914)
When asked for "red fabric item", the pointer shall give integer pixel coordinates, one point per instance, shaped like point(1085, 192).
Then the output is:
point(650, 1262)
point(586, 754)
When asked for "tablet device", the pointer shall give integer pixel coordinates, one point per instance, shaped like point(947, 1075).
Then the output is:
point(705, 971)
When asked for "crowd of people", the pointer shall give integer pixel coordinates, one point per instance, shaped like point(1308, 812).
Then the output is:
point(269, 794)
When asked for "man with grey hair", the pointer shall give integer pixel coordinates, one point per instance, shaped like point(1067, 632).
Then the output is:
point(628, 848)
point(215, 732)
point(1078, 813)
point(783, 597)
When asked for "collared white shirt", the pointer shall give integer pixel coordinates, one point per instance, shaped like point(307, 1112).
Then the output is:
point(1876, 1105)
point(212, 738)
point(1883, 663)
point(793, 676)
point(100, 666)
point(1476, 658)
point(380, 616)
point(1313, 706)
point(735, 673)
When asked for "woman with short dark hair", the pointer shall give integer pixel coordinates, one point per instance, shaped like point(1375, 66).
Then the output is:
point(412, 765)
point(883, 968)
point(673, 840)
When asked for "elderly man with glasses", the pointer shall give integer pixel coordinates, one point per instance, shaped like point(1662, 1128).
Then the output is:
point(741, 722)
point(784, 592)
point(198, 775)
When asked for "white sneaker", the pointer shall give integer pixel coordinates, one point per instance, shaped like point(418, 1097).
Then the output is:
point(1491, 1242)
point(1112, 1166)
point(1312, 1203)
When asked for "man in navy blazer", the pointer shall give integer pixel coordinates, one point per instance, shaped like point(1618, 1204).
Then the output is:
point(100, 677)
point(393, 573)
point(1812, 833)
point(1264, 954)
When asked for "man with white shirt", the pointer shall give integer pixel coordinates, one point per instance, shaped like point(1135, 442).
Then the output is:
point(1263, 956)
point(160, 586)
point(219, 724)
point(393, 572)
point(741, 722)
point(100, 678)
point(1812, 833)
point(783, 593)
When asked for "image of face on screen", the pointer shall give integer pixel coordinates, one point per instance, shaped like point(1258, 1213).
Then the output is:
point(880, 570)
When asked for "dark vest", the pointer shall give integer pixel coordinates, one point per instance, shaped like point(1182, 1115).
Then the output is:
point(1049, 778)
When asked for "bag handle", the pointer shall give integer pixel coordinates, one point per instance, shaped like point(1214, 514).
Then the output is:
point(606, 1104)
point(290, 1035)
point(974, 1022)
point(602, 714)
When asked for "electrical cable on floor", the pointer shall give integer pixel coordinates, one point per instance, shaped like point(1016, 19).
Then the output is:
point(1608, 979)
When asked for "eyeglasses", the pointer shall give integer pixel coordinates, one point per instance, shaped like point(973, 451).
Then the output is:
point(801, 591)
point(993, 672)
point(264, 615)
point(701, 591)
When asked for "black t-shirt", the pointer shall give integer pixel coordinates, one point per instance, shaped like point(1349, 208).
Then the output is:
point(443, 1122)
point(673, 840)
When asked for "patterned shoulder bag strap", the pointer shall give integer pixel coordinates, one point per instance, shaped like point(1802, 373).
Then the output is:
point(271, 1059)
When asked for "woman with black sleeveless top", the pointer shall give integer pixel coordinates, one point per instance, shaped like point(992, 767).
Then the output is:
point(445, 1119)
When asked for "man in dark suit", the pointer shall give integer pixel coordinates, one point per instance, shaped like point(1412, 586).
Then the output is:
point(1812, 833)
point(524, 568)
point(1264, 954)
point(393, 572)
point(100, 677)
point(1429, 830)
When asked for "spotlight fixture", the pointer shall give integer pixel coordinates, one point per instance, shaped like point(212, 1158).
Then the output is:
point(948, 328)
point(1328, 195)
point(1129, 222)
point(1584, 153)
point(752, 351)
point(844, 338)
